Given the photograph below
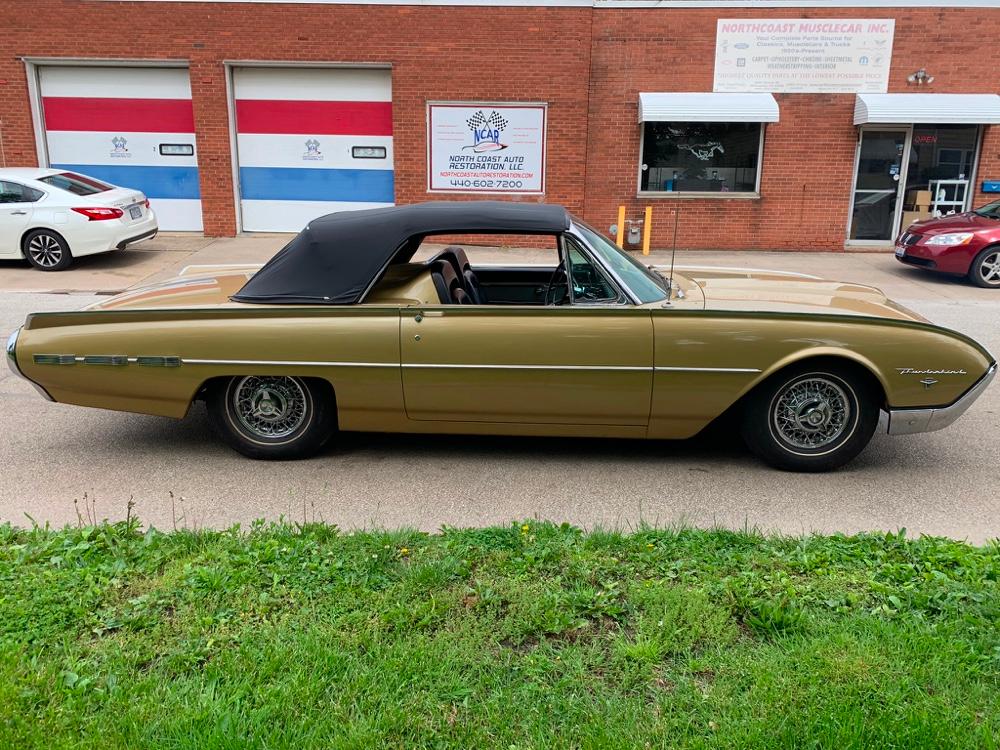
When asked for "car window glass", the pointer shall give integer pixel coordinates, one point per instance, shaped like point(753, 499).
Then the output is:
point(13, 192)
point(587, 282)
point(77, 184)
point(635, 276)
point(991, 210)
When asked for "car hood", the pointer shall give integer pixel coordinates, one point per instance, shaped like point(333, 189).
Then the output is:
point(195, 287)
point(776, 291)
point(969, 221)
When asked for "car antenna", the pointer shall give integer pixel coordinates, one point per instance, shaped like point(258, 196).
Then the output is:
point(673, 256)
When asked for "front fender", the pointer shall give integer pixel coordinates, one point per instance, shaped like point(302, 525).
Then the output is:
point(708, 360)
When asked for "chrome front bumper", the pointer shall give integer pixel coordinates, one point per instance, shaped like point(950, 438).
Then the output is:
point(909, 421)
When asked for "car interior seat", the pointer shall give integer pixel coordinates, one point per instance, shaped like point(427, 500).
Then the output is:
point(456, 256)
point(448, 284)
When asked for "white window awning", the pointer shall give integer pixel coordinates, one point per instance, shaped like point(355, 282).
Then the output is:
point(931, 109)
point(707, 107)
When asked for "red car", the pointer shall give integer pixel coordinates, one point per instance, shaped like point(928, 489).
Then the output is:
point(966, 244)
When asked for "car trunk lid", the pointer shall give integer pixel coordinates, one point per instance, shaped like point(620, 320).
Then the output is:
point(187, 290)
point(131, 202)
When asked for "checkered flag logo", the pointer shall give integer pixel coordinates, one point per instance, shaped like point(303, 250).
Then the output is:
point(497, 121)
point(478, 120)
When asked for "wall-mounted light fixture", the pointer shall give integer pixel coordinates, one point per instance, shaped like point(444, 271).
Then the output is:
point(920, 77)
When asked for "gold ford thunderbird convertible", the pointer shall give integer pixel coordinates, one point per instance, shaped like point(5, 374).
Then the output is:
point(343, 331)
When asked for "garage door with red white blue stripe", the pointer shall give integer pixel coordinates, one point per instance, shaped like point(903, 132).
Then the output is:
point(311, 141)
point(132, 127)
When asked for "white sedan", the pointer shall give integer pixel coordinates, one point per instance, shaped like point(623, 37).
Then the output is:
point(50, 216)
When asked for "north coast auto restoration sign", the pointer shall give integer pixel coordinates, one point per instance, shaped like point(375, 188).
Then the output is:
point(804, 55)
point(477, 147)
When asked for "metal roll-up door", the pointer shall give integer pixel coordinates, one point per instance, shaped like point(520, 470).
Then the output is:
point(311, 141)
point(130, 126)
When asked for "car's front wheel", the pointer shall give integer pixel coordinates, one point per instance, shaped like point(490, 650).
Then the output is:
point(985, 269)
point(273, 416)
point(46, 250)
point(811, 418)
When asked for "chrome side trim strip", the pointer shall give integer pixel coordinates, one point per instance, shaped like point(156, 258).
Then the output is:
point(116, 360)
point(54, 359)
point(708, 369)
point(911, 421)
point(464, 366)
point(605, 368)
point(156, 361)
point(159, 361)
point(287, 363)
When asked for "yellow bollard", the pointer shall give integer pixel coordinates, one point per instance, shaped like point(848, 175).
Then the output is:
point(647, 229)
point(620, 237)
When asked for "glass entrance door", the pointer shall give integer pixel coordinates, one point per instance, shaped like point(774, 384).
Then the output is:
point(878, 185)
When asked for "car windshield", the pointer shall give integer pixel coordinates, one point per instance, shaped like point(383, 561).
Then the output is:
point(77, 184)
point(645, 284)
point(990, 210)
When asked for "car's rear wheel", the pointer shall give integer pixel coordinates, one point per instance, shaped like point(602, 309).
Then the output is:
point(273, 416)
point(46, 250)
point(811, 418)
point(985, 269)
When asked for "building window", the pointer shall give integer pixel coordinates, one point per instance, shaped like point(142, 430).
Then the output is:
point(701, 157)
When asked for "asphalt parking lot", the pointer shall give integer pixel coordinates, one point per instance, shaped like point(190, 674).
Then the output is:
point(59, 461)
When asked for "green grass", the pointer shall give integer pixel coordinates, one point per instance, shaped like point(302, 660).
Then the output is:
point(531, 636)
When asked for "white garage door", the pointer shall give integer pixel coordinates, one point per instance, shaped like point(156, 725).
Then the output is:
point(311, 141)
point(132, 127)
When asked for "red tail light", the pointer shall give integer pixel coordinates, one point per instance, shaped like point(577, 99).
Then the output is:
point(100, 214)
point(147, 204)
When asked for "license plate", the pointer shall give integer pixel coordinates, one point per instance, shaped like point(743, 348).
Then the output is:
point(135, 212)
point(900, 252)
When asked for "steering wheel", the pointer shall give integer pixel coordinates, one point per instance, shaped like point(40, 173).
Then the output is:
point(557, 282)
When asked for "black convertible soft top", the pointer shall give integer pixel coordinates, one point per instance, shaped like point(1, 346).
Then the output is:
point(336, 257)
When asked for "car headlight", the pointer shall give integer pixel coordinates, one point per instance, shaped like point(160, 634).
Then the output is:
point(955, 238)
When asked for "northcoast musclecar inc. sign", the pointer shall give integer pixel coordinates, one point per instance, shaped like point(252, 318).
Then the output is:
point(813, 55)
point(477, 147)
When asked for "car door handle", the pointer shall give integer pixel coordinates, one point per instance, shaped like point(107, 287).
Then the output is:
point(429, 314)
point(18, 213)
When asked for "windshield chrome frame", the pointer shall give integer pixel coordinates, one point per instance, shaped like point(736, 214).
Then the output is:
point(577, 235)
point(589, 253)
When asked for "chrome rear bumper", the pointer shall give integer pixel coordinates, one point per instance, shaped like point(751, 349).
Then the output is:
point(909, 421)
point(11, 356)
point(12, 363)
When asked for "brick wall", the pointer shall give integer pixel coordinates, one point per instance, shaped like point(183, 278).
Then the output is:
point(589, 65)
point(808, 164)
point(435, 53)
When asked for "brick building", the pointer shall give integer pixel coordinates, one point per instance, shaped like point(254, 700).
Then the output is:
point(759, 122)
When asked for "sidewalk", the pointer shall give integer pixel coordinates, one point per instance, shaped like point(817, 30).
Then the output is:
point(169, 253)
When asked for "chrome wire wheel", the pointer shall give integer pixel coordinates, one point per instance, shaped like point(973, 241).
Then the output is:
point(270, 407)
point(45, 250)
point(811, 413)
point(989, 268)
